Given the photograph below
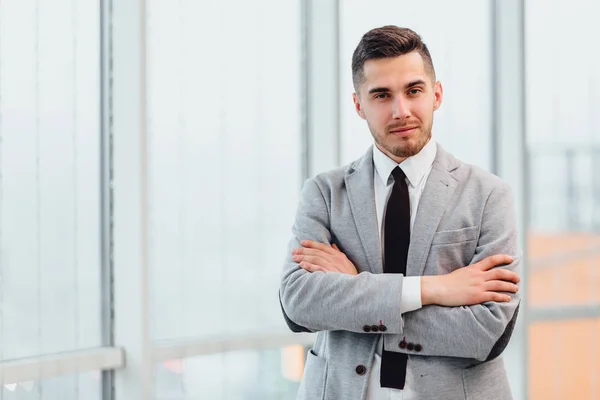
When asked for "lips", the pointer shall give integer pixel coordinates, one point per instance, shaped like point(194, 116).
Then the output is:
point(404, 130)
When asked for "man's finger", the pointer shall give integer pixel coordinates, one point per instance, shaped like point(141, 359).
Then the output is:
point(497, 297)
point(501, 286)
point(318, 261)
point(504, 275)
point(317, 245)
point(308, 252)
point(495, 260)
point(312, 267)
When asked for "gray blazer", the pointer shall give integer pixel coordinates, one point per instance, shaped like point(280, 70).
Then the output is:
point(465, 214)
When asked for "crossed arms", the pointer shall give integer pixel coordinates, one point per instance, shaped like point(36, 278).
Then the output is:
point(467, 313)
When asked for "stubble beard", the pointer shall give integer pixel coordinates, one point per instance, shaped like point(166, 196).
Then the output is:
point(408, 148)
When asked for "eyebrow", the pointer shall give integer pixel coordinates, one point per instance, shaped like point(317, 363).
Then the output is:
point(387, 90)
point(379, 90)
point(415, 83)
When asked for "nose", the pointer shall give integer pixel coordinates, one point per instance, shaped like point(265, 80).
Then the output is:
point(401, 109)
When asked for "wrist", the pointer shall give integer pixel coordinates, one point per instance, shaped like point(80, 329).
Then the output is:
point(429, 290)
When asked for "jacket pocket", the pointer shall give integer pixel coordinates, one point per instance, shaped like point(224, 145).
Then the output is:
point(451, 250)
point(312, 385)
point(455, 236)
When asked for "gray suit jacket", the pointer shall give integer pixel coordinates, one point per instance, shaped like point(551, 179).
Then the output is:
point(465, 214)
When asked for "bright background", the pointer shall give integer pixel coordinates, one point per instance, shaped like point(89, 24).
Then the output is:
point(152, 154)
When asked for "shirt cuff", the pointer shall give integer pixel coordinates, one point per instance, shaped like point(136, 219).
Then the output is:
point(411, 294)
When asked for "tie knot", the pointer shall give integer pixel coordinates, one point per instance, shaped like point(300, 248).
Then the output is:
point(398, 174)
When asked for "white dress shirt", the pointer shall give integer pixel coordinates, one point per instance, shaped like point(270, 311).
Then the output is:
point(416, 169)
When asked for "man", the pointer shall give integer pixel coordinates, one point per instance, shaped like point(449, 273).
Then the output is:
point(405, 260)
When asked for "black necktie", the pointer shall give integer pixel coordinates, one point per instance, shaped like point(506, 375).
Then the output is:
point(396, 241)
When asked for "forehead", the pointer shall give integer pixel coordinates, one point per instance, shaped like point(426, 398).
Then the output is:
point(394, 72)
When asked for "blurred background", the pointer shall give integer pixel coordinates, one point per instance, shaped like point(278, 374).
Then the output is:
point(152, 153)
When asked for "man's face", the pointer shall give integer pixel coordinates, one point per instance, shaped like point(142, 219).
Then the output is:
point(397, 99)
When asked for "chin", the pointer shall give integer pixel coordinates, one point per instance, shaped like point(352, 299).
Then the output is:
point(407, 149)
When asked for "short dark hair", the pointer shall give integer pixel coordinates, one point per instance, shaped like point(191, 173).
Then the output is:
point(384, 42)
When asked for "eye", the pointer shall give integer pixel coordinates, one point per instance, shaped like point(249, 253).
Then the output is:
point(415, 91)
point(381, 95)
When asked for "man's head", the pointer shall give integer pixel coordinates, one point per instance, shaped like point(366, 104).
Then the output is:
point(395, 89)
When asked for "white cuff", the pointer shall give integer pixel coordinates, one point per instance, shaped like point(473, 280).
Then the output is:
point(411, 294)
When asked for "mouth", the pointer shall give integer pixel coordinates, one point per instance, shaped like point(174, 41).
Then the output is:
point(403, 131)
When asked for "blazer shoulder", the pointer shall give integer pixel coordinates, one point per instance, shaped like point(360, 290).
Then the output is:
point(468, 174)
point(334, 179)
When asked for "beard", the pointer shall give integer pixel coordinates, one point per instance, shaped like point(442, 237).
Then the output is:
point(402, 147)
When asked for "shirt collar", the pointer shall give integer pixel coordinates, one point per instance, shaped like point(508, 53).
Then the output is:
point(414, 167)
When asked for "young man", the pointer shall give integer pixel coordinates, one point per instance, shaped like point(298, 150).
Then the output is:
point(405, 261)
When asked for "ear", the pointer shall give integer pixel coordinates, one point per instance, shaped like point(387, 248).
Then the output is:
point(357, 106)
point(438, 93)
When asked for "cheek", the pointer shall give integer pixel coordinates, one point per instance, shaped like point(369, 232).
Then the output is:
point(424, 112)
point(378, 116)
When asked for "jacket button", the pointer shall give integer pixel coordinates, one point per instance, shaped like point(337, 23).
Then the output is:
point(367, 328)
point(410, 346)
point(361, 370)
point(402, 344)
point(374, 328)
point(382, 328)
point(418, 348)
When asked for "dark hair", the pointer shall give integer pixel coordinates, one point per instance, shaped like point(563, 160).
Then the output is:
point(384, 42)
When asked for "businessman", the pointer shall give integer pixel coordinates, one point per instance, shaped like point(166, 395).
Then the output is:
point(405, 261)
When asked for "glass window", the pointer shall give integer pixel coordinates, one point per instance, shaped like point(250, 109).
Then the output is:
point(69, 387)
point(563, 141)
point(225, 170)
point(272, 374)
point(49, 177)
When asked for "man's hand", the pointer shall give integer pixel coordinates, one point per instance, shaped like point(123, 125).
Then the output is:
point(315, 256)
point(473, 284)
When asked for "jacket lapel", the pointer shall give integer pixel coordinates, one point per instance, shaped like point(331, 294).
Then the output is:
point(432, 205)
point(361, 194)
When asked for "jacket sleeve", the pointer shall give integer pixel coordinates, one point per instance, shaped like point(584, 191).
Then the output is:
point(480, 331)
point(333, 301)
